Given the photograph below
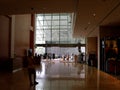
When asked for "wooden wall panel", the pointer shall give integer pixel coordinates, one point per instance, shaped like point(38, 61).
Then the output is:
point(4, 36)
point(22, 31)
point(22, 37)
point(109, 31)
point(5, 43)
point(92, 45)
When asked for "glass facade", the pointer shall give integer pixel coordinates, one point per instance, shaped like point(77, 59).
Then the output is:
point(55, 28)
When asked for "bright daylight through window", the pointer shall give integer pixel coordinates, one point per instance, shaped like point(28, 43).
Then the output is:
point(54, 29)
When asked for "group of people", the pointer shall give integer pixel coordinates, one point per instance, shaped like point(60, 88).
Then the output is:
point(35, 60)
point(74, 57)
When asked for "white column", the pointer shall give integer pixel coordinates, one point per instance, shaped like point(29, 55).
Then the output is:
point(98, 51)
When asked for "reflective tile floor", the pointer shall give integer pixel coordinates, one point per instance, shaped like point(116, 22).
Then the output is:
point(59, 75)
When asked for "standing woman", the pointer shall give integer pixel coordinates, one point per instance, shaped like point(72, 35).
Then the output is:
point(32, 71)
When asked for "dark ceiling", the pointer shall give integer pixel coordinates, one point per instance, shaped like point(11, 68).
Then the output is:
point(88, 14)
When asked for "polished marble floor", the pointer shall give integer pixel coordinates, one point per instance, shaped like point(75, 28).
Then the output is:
point(60, 75)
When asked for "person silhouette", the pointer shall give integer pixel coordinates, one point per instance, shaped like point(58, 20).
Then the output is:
point(31, 70)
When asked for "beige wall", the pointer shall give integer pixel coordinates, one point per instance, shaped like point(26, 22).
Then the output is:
point(91, 45)
point(22, 30)
point(15, 36)
point(92, 48)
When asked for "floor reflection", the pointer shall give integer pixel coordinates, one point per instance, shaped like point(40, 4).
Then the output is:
point(56, 68)
point(60, 75)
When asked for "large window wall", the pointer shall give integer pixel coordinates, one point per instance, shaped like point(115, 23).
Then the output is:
point(55, 28)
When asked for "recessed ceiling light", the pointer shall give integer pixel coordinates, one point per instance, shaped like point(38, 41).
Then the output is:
point(94, 14)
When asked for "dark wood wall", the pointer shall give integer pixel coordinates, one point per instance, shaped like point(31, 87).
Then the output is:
point(5, 46)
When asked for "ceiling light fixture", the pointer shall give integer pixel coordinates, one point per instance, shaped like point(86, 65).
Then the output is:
point(94, 14)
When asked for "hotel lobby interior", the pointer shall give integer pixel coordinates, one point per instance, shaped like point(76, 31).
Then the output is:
point(61, 32)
